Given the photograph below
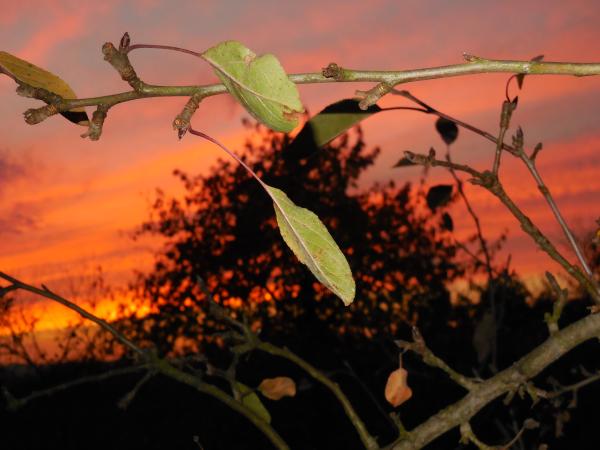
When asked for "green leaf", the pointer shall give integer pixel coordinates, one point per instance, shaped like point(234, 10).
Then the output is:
point(311, 242)
point(260, 84)
point(335, 119)
point(25, 72)
point(251, 401)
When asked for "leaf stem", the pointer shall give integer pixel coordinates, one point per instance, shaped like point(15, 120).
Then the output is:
point(230, 153)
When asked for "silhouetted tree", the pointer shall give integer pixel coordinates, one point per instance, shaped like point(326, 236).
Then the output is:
point(224, 230)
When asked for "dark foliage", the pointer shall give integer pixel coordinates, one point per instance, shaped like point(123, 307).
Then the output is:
point(224, 230)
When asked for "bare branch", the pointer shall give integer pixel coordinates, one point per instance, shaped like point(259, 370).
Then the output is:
point(509, 379)
point(418, 346)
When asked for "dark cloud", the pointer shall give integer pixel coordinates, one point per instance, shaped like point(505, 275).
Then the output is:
point(12, 168)
point(15, 218)
point(18, 219)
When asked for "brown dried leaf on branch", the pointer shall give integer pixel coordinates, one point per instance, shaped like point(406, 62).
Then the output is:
point(397, 390)
point(277, 388)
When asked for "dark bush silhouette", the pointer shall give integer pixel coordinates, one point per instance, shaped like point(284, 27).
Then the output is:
point(224, 230)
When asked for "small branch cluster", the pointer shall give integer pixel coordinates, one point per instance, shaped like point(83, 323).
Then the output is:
point(418, 346)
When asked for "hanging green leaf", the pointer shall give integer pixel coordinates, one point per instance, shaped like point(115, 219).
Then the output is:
point(25, 72)
point(251, 401)
point(330, 123)
point(260, 84)
point(311, 242)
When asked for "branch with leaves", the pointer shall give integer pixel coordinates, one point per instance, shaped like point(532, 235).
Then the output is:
point(262, 86)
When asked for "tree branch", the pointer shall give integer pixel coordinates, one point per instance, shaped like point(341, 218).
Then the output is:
point(492, 184)
point(157, 364)
point(505, 381)
point(418, 346)
point(254, 342)
point(386, 80)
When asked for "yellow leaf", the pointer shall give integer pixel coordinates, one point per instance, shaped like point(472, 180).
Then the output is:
point(278, 387)
point(25, 72)
point(396, 388)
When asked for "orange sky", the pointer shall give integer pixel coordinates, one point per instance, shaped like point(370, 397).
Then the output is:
point(68, 205)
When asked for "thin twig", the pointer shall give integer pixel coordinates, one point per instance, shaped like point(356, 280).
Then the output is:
point(154, 363)
point(529, 163)
point(45, 292)
point(505, 381)
point(419, 347)
point(254, 342)
point(505, 115)
point(368, 441)
point(16, 403)
point(493, 185)
point(531, 166)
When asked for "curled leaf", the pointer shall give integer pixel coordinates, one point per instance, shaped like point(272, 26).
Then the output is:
point(277, 388)
point(309, 239)
point(250, 400)
point(24, 72)
point(259, 83)
point(397, 390)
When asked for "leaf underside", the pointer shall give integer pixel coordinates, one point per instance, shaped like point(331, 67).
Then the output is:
point(330, 123)
point(35, 76)
point(260, 84)
point(311, 242)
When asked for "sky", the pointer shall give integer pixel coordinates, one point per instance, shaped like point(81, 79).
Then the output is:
point(69, 205)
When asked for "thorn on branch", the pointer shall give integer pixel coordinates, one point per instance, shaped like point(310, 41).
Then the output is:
point(536, 150)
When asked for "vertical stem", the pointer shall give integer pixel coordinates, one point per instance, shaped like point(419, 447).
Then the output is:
point(507, 109)
point(368, 441)
point(557, 214)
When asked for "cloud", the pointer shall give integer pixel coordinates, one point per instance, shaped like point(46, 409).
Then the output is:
point(11, 169)
point(17, 220)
